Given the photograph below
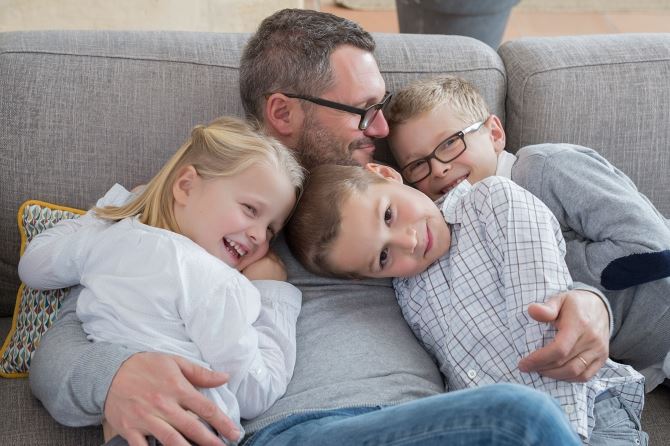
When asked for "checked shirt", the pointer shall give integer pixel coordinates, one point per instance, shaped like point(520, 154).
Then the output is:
point(469, 308)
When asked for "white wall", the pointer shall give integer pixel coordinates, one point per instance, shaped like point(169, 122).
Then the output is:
point(186, 15)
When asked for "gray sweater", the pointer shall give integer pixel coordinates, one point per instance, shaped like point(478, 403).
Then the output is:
point(616, 241)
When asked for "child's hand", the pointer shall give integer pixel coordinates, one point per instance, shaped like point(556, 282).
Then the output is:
point(269, 267)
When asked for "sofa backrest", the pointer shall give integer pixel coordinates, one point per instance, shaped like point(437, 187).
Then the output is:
point(81, 110)
point(610, 93)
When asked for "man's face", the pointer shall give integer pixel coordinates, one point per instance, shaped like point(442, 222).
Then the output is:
point(389, 230)
point(419, 136)
point(332, 136)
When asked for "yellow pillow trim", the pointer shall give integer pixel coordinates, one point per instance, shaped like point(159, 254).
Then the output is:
point(19, 294)
point(12, 331)
point(25, 204)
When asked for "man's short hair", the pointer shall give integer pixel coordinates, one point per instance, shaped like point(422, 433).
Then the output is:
point(290, 52)
point(315, 225)
point(426, 94)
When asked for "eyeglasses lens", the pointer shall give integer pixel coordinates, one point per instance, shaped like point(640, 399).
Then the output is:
point(445, 152)
point(368, 118)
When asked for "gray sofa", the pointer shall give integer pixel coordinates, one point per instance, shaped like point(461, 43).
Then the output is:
point(82, 110)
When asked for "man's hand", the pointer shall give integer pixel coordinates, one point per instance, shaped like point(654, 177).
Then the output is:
point(581, 345)
point(269, 267)
point(152, 393)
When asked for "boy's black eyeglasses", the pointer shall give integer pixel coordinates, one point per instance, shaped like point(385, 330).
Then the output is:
point(367, 114)
point(445, 152)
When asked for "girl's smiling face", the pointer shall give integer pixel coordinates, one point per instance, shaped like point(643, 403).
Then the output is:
point(233, 218)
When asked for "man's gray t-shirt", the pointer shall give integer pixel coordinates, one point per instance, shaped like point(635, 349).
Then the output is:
point(353, 348)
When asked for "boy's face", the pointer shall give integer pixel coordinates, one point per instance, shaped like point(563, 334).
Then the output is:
point(390, 230)
point(420, 135)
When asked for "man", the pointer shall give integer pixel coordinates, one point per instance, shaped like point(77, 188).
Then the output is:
point(311, 80)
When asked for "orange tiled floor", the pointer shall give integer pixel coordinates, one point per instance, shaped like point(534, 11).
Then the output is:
point(526, 23)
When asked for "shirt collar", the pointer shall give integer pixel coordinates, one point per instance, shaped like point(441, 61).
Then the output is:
point(448, 203)
point(505, 162)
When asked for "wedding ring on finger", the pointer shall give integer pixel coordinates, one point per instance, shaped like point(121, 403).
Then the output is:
point(586, 364)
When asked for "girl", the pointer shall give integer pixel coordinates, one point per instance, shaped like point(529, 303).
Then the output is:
point(161, 271)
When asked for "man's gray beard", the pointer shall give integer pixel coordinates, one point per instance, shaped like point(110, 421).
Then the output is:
point(317, 146)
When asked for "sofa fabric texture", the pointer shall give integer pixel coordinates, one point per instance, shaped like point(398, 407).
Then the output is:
point(609, 93)
point(81, 110)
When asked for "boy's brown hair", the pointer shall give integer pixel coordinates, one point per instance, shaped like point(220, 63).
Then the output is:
point(315, 224)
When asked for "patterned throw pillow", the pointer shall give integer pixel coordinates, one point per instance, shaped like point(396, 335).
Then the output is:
point(34, 310)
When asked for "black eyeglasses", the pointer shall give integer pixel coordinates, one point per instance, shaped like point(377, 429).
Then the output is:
point(367, 115)
point(445, 152)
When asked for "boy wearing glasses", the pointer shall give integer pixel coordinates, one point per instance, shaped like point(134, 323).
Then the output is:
point(616, 240)
point(466, 269)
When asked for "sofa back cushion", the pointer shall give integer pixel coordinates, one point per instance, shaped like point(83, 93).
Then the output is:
point(610, 93)
point(81, 110)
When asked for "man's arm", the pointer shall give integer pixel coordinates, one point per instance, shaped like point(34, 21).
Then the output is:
point(71, 375)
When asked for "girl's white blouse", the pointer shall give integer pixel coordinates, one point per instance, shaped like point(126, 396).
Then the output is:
point(157, 290)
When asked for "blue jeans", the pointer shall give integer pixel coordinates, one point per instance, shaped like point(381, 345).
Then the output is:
point(501, 414)
point(616, 424)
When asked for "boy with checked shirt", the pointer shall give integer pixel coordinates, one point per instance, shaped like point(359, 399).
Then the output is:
point(616, 240)
point(466, 269)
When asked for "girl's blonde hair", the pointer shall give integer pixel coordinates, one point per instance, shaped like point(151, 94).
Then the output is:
point(223, 148)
